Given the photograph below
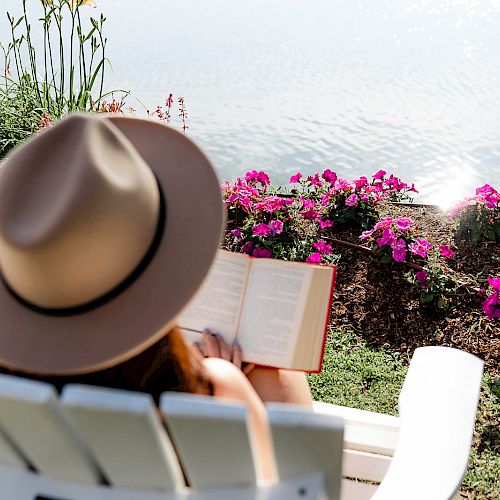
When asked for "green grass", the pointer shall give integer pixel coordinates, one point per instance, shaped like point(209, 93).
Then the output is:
point(360, 376)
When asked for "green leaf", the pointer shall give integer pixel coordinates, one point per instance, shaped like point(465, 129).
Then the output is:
point(426, 297)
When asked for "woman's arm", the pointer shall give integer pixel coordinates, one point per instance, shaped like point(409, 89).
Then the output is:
point(229, 382)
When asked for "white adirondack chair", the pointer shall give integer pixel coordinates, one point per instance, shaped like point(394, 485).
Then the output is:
point(102, 444)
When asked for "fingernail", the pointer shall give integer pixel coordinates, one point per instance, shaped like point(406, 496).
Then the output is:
point(236, 344)
point(206, 330)
point(218, 334)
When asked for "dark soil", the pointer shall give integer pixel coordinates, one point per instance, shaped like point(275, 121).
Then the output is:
point(386, 311)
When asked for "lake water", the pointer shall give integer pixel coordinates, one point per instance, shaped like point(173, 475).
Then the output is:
point(285, 85)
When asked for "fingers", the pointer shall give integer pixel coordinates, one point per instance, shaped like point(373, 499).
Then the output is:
point(237, 356)
point(210, 345)
point(248, 368)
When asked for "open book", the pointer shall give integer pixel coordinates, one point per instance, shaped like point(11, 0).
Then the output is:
point(277, 310)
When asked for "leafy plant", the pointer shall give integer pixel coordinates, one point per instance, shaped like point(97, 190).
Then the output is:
point(71, 76)
point(478, 217)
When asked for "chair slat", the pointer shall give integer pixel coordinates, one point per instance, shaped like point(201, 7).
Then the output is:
point(364, 466)
point(211, 438)
point(8, 455)
point(306, 442)
point(31, 416)
point(125, 434)
point(365, 431)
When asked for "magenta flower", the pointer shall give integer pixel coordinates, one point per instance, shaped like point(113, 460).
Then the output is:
point(275, 227)
point(323, 224)
point(352, 200)
point(366, 234)
point(270, 204)
point(261, 230)
point(446, 251)
point(329, 176)
point(295, 178)
point(307, 203)
point(379, 175)
point(315, 181)
point(491, 306)
point(404, 223)
point(310, 215)
point(420, 247)
point(361, 182)
point(247, 247)
point(383, 223)
point(388, 238)
point(422, 277)
point(495, 283)
point(341, 184)
point(486, 190)
point(261, 253)
point(254, 177)
point(399, 250)
point(314, 258)
point(236, 233)
point(322, 247)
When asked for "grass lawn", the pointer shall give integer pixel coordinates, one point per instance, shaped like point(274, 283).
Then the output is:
point(370, 379)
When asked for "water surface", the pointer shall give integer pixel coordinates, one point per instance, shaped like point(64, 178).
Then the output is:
point(288, 85)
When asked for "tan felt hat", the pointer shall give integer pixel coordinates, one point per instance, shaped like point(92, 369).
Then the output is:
point(108, 226)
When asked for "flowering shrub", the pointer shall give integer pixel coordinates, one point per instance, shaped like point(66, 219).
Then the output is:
point(264, 224)
point(478, 217)
point(344, 202)
point(397, 240)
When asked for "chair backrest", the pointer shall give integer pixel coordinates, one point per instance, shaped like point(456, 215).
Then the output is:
point(97, 443)
point(440, 394)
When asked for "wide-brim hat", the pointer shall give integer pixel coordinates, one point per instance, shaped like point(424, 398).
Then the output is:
point(108, 226)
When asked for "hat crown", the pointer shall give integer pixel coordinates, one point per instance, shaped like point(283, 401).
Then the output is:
point(79, 210)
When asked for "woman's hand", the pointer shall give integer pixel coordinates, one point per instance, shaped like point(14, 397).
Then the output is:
point(212, 345)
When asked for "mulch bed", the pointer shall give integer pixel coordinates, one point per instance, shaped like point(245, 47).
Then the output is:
point(386, 311)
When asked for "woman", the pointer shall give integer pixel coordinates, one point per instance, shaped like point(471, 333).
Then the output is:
point(108, 226)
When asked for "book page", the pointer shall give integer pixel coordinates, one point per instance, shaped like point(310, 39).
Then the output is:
point(218, 303)
point(270, 319)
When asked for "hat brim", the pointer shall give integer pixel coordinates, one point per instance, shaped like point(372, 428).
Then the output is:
point(142, 314)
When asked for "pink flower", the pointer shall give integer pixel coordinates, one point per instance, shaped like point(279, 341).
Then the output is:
point(352, 200)
point(404, 223)
point(261, 230)
point(236, 233)
point(310, 215)
point(307, 203)
point(383, 223)
point(253, 177)
point(361, 182)
point(247, 247)
point(366, 234)
point(422, 277)
point(261, 253)
point(295, 178)
point(420, 247)
point(379, 175)
point(315, 181)
point(322, 247)
point(270, 204)
point(446, 251)
point(495, 283)
point(329, 176)
point(341, 184)
point(486, 190)
point(491, 306)
point(323, 224)
point(275, 227)
point(314, 258)
point(399, 250)
point(388, 238)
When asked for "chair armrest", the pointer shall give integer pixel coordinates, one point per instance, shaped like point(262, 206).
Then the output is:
point(437, 412)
